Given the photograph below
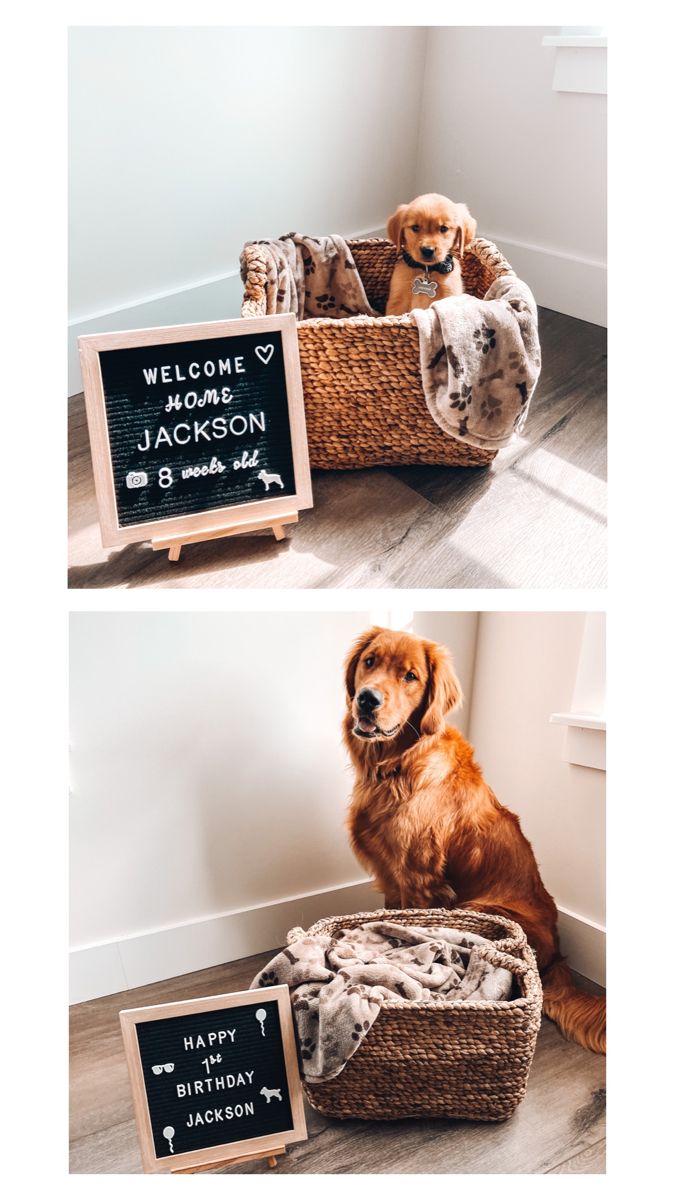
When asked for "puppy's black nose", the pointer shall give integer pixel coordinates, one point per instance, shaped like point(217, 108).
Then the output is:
point(369, 699)
point(427, 251)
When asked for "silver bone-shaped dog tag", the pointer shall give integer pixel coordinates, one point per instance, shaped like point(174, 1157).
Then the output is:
point(424, 287)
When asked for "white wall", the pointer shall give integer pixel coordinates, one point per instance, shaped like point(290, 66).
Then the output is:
point(210, 784)
point(529, 161)
point(209, 777)
point(526, 669)
point(186, 142)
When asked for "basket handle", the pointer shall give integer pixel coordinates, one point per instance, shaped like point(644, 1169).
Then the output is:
point(517, 966)
point(496, 954)
point(254, 275)
point(491, 257)
point(295, 934)
point(508, 944)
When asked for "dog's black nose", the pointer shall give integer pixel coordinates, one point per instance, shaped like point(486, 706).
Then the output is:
point(427, 251)
point(369, 699)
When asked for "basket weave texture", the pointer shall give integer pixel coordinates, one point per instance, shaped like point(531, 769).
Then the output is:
point(364, 400)
point(466, 1060)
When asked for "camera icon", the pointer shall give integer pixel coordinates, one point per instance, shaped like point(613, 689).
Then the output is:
point(137, 479)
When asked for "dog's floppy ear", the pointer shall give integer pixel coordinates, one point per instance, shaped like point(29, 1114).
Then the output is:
point(395, 225)
point(466, 229)
point(443, 689)
point(352, 660)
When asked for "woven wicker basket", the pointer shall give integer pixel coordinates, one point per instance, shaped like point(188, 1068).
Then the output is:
point(447, 1059)
point(364, 402)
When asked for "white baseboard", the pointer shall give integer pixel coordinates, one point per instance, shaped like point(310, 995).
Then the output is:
point(131, 962)
point(110, 967)
point(583, 943)
point(217, 299)
point(566, 283)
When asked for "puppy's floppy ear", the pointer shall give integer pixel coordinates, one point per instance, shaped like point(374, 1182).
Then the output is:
point(352, 660)
point(466, 229)
point(443, 689)
point(395, 225)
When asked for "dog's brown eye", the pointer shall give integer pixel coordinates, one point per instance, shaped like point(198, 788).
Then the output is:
point(444, 228)
point(415, 228)
point(368, 662)
point(409, 676)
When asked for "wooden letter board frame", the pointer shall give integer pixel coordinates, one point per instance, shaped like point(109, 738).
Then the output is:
point(227, 1153)
point(174, 532)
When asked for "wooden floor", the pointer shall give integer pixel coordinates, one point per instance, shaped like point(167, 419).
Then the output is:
point(535, 518)
point(559, 1128)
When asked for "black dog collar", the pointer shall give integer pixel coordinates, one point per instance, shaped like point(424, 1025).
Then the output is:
point(443, 268)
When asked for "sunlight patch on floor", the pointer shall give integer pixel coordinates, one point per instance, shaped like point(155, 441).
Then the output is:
point(567, 481)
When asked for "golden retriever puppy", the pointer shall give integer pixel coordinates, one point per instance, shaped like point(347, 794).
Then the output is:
point(424, 822)
point(430, 234)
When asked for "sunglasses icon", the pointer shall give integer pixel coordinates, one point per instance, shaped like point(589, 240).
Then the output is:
point(168, 1067)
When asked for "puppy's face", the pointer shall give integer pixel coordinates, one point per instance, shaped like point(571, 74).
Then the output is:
point(431, 227)
point(396, 681)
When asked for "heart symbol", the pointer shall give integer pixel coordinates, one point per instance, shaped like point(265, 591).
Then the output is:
point(264, 353)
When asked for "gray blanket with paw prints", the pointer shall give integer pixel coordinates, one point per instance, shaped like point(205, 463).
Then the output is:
point(480, 362)
point(311, 277)
point(338, 983)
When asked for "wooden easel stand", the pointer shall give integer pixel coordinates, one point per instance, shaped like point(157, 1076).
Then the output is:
point(175, 544)
point(270, 1155)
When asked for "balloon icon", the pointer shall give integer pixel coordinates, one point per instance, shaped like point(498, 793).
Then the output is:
point(169, 1133)
point(260, 1016)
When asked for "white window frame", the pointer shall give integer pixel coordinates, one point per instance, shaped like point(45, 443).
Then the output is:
point(586, 727)
point(580, 59)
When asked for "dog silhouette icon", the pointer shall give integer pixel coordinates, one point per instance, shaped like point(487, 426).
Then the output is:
point(267, 479)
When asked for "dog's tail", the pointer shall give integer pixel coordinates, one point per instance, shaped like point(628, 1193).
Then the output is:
point(579, 1016)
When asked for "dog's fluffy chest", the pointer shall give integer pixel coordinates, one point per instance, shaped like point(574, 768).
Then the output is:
point(391, 821)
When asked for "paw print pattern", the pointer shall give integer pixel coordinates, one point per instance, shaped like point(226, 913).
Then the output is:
point(268, 978)
point(463, 427)
point(516, 360)
point(309, 265)
point(491, 408)
point(300, 1005)
point(307, 1047)
point(461, 399)
point(360, 1031)
point(325, 302)
point(484, 338)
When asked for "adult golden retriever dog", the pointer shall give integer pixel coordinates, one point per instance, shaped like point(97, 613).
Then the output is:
point(423, 821)
point(430, 234)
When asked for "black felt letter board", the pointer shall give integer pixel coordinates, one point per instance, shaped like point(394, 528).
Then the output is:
point(197, 425)
point(222, 1078)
